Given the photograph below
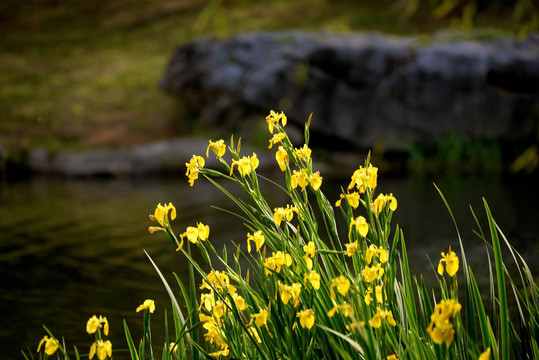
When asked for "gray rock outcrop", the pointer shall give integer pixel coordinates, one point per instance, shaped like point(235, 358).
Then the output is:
point(165, 156)
point(363, 89)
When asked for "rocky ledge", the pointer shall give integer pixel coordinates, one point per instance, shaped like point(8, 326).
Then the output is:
point(165, 156)
point(365, 90)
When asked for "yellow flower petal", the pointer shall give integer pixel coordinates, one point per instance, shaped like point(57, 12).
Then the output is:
point(148, 304)
point(485, 355)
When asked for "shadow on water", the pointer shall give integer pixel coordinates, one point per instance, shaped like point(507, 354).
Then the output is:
point(70, 249)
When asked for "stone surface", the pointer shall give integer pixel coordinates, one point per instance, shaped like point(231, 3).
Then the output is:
point(364, 90)
point(131, 160)
point(162, 156)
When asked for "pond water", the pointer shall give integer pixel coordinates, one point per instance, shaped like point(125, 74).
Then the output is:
point(70, 249)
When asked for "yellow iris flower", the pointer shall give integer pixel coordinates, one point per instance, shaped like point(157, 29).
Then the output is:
point(194, 234)
point(342, 284)
point(260, 318)
point(309, 254)
point(277, 138)
point(441, 328)
point(257, 238)
point(451, 263)
point(193, 168)
point(351, 198)
point(303, 179)
point(379, 203)
point(148, 304)
point(223, 352)
point(485, 355)
point(372, 251)
point(345, 309)
point(218, 147)
point(218, 280)
point(281, 213)
point(277, 261)
point(51, 345)
point(274, 118)
point(299, 178)
point(371, 273)
point(309, 249)
point(290, 292)
point(315, 180)
point(246, 165)
point(282, 158)
point(378, 294)
point(361, 225)
point(306, 318)
point(376, 320)
point(314, 279)
point(95, 323)
point(303, 153)
point(102, 349)
point(364, 178)
point(351, 248)
point(161, 214)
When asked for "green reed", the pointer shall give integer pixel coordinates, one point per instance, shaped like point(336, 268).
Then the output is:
point(298, 286)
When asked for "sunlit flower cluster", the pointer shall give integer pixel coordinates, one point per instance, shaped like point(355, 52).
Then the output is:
point(376, 320)
point(364, 178)
point(197, 233)
point(379, 295)
point(281, 213)
point(290, 293)
point(303, 179)
point(373, 251)
point(322, 292)
point(345, 309)
point(303, 153)
point(218, 284)
point(441, 328)
point(275, 262)
point(101, 348)
point(95, 323)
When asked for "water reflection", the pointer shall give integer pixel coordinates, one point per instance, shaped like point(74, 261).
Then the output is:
point(70, 249)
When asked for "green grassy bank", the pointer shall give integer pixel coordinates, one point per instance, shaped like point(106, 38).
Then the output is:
point(84, 74)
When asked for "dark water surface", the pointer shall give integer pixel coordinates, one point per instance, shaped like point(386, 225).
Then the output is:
point(70, 249)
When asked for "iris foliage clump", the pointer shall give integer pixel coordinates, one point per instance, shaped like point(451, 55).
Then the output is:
point(300, 287)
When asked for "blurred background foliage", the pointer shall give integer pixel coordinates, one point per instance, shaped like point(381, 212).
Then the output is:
point(82, 74)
